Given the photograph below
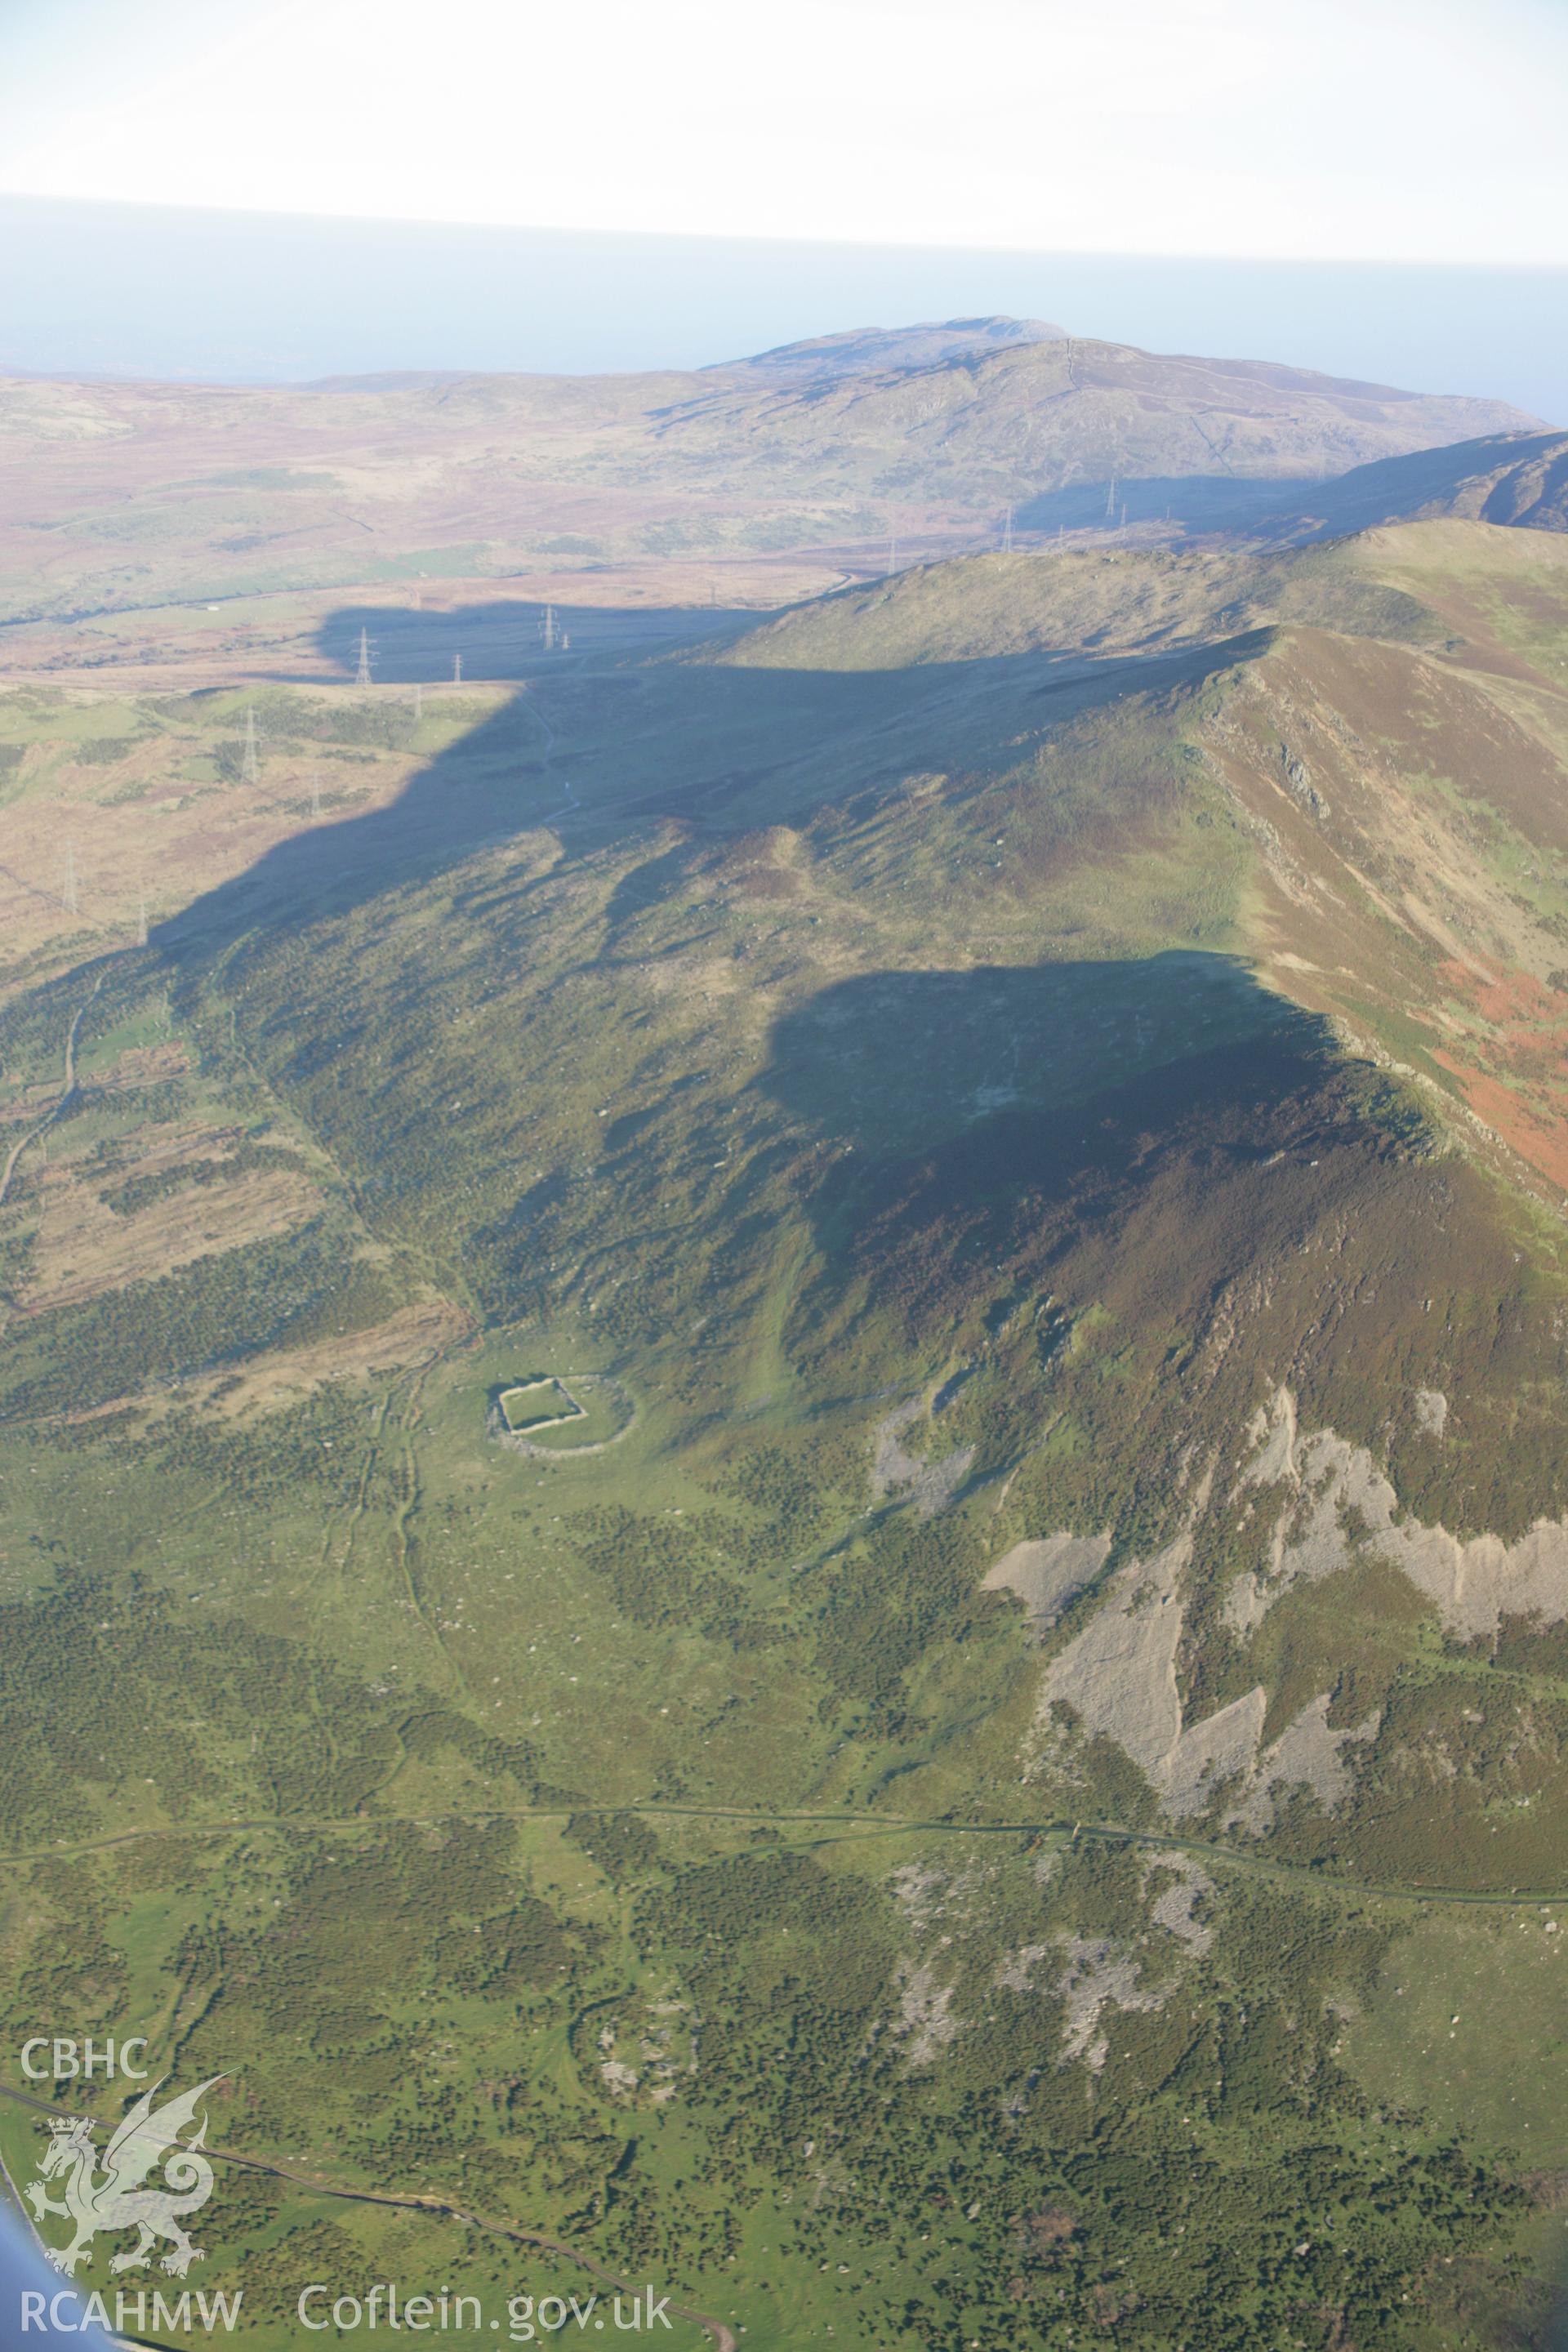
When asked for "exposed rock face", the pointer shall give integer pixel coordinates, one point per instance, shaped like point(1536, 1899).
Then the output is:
point(929, 1486)
point(1185, 1884)
point(1097, 1976)
point(1046, 1572)
point(1473, 1579)
point(1119, 1676)
point(1307, 1754)
point(925, 2022)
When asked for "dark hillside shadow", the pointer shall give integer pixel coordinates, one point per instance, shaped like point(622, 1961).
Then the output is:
point(1138, 1132)
point(1194, 502)
point(627, 740)
point(500, 776)
point(899, 1062)
point(503, 641)
point(934, 1130)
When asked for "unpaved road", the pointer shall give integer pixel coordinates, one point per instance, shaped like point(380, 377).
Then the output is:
point(44, 1124)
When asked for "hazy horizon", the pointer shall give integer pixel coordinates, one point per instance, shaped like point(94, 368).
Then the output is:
point(179, 295)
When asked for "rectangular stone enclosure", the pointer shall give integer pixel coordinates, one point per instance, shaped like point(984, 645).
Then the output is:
point(538, 1404)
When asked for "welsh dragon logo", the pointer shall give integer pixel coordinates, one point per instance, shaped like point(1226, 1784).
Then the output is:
point(119, 2196)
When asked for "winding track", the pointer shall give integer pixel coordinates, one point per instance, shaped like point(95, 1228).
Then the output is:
point(44, 1124)
point(827, 1827)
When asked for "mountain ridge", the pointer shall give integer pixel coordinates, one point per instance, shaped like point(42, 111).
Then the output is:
point(118, 495)
point(859, 351)
point(1006, 1096)
point(1519, 479)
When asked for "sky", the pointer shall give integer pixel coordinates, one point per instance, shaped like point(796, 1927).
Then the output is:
point(1416, 130)
point(274, 190)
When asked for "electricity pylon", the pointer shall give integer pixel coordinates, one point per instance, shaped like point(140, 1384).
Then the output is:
point(71, 878)
point(250, 766)
point(1007, 533)
point(457, 669)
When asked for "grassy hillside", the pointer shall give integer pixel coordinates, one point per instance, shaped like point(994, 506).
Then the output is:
point(958, 1807)
point(1022, 421)
point(128, 497)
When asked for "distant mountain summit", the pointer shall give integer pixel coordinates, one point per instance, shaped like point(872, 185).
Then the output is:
point(1020, 420)
point(925, 434)
point(877, 351)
